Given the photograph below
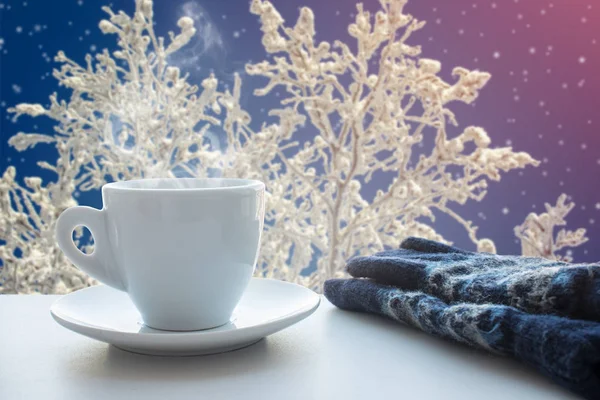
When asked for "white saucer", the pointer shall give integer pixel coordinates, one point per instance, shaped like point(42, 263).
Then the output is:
point(106, 314)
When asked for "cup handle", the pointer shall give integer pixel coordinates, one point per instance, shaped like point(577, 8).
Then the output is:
point(100, 264)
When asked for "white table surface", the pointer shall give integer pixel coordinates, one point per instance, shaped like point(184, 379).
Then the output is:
point(331, 355)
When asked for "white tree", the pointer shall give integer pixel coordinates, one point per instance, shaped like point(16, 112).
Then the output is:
point(132, 115)
point(371, 109)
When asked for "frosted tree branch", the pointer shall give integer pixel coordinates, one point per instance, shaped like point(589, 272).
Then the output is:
point(537, 233)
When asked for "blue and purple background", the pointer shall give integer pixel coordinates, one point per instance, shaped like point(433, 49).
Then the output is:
point(543, 97)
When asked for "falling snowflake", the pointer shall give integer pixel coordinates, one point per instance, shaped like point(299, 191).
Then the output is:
point(236, 34)
point(19, 29)
point(532, 50)
point(569, 253)
point(505, 211)
point(16, 88)
point(496, 54)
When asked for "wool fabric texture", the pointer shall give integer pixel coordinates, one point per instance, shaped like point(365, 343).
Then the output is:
point(541, 312)
point(531, 284)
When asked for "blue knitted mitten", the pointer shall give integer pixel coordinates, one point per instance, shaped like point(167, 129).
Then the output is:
point(533, 285)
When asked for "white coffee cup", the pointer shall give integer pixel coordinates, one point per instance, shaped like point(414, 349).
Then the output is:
point(183, 249)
